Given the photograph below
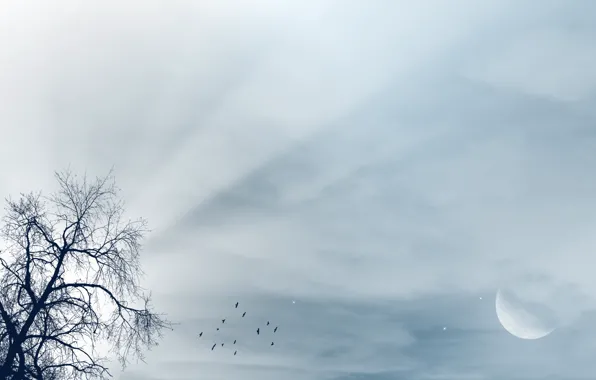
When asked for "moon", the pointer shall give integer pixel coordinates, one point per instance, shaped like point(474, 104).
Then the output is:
point(518, 320)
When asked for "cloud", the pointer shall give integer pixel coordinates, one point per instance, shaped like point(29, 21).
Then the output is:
point(551, 59)
point(382, 164)
point(333, 339)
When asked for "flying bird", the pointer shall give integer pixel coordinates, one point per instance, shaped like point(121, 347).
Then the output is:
point(234, 341)
point(275, 329)
point(201, 334)
point(243, 314)
point(236, 305)
point(267, 323)
point(218, 329)
point(223, 321)
point(258, 331)
point(212, 348)
point(222, 344)
point(235, 352)
point(272, 343)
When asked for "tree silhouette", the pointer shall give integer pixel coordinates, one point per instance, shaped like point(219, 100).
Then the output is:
point(70, 280)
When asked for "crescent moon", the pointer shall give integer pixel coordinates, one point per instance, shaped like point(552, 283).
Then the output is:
point(518, 321)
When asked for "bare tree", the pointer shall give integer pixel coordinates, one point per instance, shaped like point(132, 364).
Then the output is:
point(70, 279)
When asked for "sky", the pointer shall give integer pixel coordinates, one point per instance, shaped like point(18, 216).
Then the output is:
point(364, 174)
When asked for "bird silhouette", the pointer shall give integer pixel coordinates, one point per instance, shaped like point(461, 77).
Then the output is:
point(243, 314)
point(267, 323)
point(258, 331)
point(222, 344)
point(275, 329)
point(272, 343)
point(201, 334)
point(212, 348)
point(223, 321)
point(218, 329)
point(236, 305)
point(234, 341)
point(235, 352)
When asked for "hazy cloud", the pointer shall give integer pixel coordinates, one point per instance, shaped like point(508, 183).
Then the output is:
point(384, 164)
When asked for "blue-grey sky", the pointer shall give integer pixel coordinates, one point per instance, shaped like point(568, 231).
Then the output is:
point(386, 164)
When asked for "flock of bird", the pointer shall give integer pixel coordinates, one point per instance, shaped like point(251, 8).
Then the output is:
point(258, 331)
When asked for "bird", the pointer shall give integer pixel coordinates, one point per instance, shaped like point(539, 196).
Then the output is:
point(223, 320)
point(243, 314)
point(236, 305)
point(201, 334)
point(275, 329)
point(218, 329)
point(267, 323)
point(212, 348)
point(235, 352)
point(234, 341)
point(258, 331)
point(272, 343)
point(222, 344)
